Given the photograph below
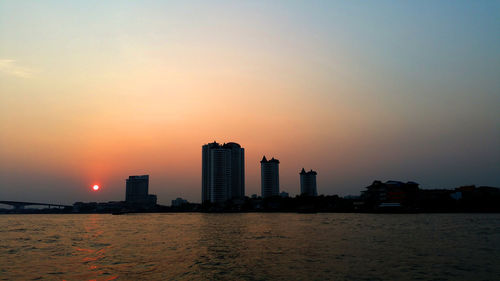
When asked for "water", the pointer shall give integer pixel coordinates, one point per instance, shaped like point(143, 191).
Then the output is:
point(253, 246)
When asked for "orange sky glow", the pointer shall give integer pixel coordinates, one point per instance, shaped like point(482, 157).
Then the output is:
point(131, 89)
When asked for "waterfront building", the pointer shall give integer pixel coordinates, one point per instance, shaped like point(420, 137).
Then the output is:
point(270, 179)
point(223, 172)
point(136, 191)
point(391, 194)
point(237, 170)
point(178, 202)
point(308, 183)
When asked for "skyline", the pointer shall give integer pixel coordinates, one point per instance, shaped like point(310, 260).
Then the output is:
point(92, 92)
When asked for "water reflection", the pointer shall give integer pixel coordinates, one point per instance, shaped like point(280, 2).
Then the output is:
point(91, 248)
point(250, 247)
point(220, 248)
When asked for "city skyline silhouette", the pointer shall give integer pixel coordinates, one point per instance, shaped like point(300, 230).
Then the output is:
point(223, 188)
point(91, 93)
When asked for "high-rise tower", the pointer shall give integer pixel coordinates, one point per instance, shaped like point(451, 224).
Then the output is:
point(270, 178)
point(237, 169)
point(308, 183)
point(136, 191)
point(222, 172)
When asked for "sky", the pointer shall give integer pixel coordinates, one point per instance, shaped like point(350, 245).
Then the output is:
point(94, 91)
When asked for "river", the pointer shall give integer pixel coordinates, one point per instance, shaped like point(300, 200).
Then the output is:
point(250, 246)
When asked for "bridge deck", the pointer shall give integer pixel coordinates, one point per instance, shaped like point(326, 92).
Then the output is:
point(20, 203)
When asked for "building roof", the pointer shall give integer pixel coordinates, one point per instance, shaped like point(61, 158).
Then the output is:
point(311, 172)
point(225, 145)
point(142, 177)
point(232, 144)
point(264, 160)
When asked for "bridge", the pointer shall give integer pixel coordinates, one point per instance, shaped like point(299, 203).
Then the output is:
point(20, 205)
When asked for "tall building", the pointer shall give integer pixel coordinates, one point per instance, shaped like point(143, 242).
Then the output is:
point(136, 191)
point(308, 183)
point(270, 178)
point(222, 172)
point(237, 170)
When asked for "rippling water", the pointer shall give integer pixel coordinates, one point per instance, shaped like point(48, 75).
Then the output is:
point(253, 246)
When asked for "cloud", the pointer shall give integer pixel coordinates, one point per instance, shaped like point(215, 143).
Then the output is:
point(10, 67)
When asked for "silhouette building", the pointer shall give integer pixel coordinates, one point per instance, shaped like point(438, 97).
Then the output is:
point(179, 202)
point(308, 183)
point(222, 172)
point(391, 194)
point(136, 191)
point(270, 178)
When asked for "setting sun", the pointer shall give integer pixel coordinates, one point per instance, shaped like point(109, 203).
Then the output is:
point(95, 187)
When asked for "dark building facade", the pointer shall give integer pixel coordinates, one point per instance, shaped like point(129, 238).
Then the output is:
point(308, 183)
point(391, 194)
point(270, 179)
point(222, 172)
point(136, 191)
point(237, 170)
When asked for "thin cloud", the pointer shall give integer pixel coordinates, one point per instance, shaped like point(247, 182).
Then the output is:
point(10, 67)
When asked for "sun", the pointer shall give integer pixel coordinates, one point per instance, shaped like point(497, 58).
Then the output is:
point(95, 187)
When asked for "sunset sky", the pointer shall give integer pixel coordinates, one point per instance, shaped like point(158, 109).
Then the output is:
point(94, 91)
